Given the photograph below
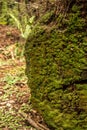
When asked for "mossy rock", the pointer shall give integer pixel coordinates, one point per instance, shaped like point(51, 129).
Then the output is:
point(55, 61)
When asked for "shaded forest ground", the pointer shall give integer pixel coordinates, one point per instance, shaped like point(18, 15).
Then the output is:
point(14, 92)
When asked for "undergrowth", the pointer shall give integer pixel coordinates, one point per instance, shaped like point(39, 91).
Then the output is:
point(14, 93)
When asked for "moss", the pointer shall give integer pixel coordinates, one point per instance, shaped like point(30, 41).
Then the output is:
point(54, 60)
point(47, 18)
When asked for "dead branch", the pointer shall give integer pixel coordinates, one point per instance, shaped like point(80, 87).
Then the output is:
point(32, 122)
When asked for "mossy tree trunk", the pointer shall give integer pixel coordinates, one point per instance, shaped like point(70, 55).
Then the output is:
point(56, 66)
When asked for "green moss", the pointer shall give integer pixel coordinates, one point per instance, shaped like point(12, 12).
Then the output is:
point(47, 18)
point(56, 60)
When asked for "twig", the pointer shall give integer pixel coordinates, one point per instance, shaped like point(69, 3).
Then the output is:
point(32, 122)
point(42, 126)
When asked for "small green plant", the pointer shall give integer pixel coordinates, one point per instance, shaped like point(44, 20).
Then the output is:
point(24, 32)
point(11, 80)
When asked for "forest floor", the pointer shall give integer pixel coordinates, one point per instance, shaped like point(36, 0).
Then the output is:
point(14, 92)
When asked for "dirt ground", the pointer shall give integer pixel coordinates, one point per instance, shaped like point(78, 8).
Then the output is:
point(14, 92)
